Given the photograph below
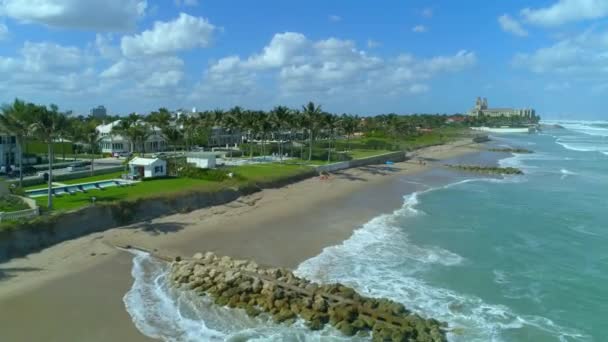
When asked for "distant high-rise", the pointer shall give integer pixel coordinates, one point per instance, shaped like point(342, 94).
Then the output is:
point(99, 112)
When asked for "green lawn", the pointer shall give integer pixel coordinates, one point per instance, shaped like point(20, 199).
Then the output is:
point(113, 175)
point(360, 153)
point(151, 188)
point(169, 186)
point(268, 172)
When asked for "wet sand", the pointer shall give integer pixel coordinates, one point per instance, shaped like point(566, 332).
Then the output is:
point(73, 291)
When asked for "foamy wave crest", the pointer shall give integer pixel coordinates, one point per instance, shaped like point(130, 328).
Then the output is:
point(379, 261)
point(594, 128)
point(161, 312)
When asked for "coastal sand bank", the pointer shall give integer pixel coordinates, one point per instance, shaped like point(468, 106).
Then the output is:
point(73, 291)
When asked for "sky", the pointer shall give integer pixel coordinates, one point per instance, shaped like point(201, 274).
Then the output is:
point(354, 56)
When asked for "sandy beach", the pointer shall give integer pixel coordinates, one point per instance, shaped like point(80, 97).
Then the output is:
point(73, 291)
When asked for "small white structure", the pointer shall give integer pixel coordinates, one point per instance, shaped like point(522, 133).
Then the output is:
point(148, 167)
point(201, 160)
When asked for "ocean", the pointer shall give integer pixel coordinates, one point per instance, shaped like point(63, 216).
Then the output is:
point(520, 258)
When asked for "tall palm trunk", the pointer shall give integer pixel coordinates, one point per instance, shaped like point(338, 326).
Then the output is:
point(50, 181)
point(329, 151)
point(310, 146)
point(19, 146)
point(92, 164)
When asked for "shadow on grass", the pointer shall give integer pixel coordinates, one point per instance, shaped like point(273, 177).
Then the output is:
point(161, 227)
point(11, 272)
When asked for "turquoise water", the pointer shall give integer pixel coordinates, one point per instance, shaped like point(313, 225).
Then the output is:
point(524, 258)
point(519, 259)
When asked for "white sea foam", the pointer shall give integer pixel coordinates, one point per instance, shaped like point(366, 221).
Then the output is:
point(379, 260)
point(594, 128)
point(161, 312)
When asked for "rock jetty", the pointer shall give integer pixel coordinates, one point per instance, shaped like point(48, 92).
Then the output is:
point(511, 150)
point(284, 297)
point(487, 169)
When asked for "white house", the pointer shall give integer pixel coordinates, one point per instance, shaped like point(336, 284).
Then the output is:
point(116, 143)
point(202, 160)
point(148, 167)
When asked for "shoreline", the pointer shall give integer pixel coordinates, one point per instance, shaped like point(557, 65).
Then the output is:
point(278, 227)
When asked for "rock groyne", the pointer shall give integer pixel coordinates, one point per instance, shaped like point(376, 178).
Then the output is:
point(286, 298)
point(511, 150)
point(493, 170)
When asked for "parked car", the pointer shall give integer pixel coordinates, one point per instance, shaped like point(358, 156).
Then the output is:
point(122, 154)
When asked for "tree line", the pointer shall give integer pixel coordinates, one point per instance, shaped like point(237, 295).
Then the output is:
point(28, 121)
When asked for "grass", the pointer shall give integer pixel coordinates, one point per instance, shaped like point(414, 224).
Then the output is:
point(171, 186)
point(268, 172)
point(360, 153)
point(113, 175)
point(151, 188)
point(8, 204)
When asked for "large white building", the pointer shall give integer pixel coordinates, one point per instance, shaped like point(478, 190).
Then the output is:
point(115, 143)
point(481, 108)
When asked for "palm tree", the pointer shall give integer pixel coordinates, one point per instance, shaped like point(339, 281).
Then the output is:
point(349, 125)
point(173, 136)
point(279, 118)
point(128, 128)
point(46, 125)
point(91, 137)
point(14, 120)
point(312, 118)
point(160, 119)
point(331, 122)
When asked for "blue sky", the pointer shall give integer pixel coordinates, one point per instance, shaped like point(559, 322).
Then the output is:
point(364, 57)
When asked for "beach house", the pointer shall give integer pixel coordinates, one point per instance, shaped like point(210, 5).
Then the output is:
point(110, 142)
point(147, 167)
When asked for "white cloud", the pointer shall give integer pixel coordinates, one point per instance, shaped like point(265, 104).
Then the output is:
point(183, 33)
point(419, 29)
point(335, 18)
point(186, 2)
point(3, 32)
point(105, 47)
point(104, 15)
point(427, 12)
point(511, 25)
point(372, 44)
point(146, 73)
point(48, 68)
point(585, 55)
point(296, 65)
point(566, 11)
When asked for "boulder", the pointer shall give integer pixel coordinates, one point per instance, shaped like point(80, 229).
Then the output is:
point(346, 328)
point(198, 256)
